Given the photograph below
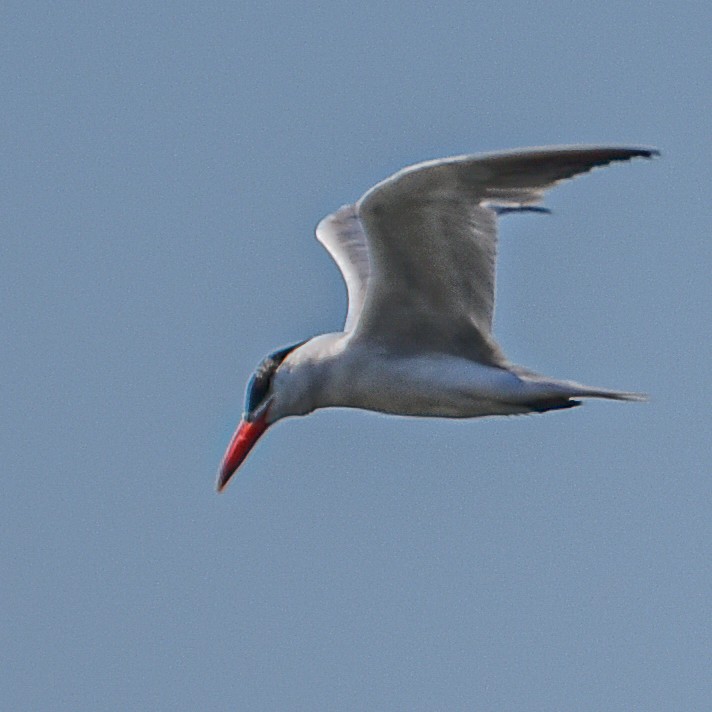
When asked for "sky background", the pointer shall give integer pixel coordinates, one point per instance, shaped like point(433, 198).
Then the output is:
point(163, 166)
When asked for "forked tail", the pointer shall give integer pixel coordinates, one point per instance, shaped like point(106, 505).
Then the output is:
point(550, 394)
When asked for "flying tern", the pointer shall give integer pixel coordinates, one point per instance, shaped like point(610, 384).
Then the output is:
point(417, 253)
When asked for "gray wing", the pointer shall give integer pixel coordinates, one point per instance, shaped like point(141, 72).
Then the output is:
point(342, 235)
point(432, 243)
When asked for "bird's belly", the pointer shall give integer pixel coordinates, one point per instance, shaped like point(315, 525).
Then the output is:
point(430, 386)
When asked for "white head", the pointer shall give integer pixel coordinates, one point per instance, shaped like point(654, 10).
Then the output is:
point(276, 390)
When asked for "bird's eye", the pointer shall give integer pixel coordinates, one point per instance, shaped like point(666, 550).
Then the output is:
point(259, 385)
point(257, 390)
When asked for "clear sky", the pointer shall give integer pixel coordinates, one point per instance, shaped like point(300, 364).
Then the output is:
point(163, 167)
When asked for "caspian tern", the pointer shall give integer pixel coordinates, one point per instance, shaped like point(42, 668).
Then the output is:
point(417, 253)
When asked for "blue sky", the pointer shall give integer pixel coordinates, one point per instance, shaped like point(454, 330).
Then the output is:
point(164, 165)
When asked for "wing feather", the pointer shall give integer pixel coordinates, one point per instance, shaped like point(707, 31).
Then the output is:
point(342, 235)
point(429, 235)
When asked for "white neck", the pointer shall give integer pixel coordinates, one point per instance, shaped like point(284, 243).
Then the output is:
point(303, 381)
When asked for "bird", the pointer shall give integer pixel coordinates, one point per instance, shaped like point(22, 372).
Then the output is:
point(418, 253)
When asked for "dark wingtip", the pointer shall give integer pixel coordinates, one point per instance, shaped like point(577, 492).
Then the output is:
point(546, 404)
point(637, 152)
point(508, 209)
point(647, 152)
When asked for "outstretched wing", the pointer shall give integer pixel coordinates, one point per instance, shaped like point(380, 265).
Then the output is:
point(342, 235)
point(431, 243)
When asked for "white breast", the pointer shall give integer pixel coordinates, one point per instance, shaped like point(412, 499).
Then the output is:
point(425, 385)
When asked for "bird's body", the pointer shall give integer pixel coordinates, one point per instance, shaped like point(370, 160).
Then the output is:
point(332, 371)
point(418, 254)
